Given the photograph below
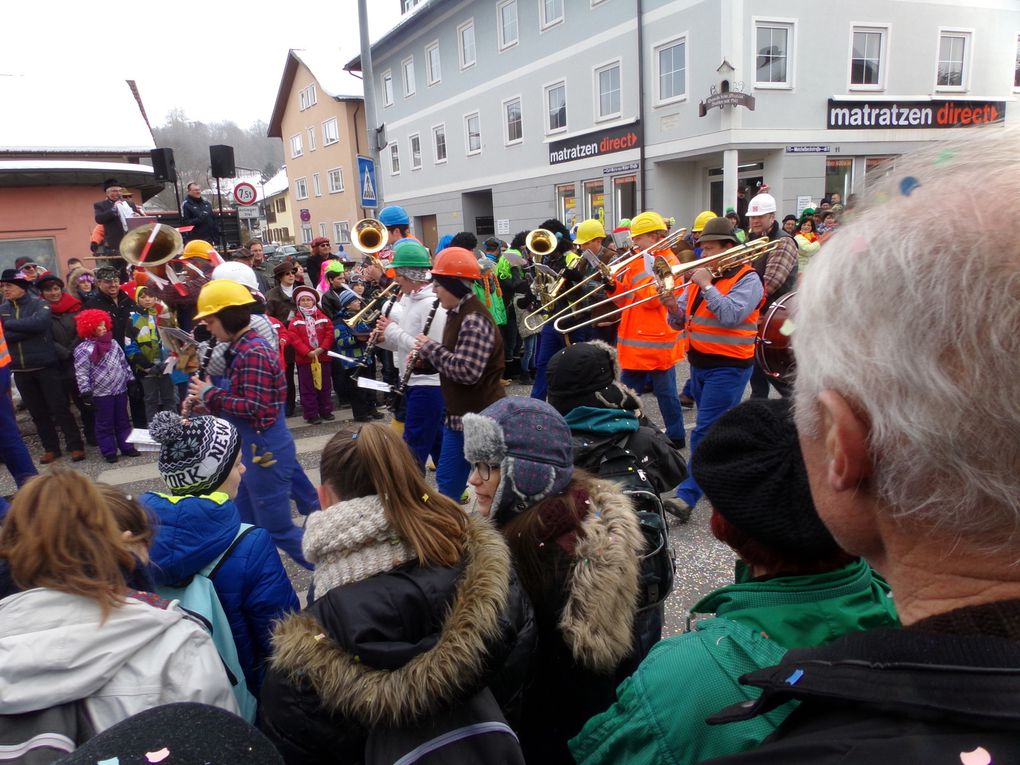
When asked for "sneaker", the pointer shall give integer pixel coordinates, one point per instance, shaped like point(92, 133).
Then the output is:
point(686, 401)
point(314, 421)
point(678, 509)
point(329, 417)
point(78, 455)
point(49, 457)
point(377, 415)
point(131, 453)
point(678, 445)
point(111, 459)
point(364, 418)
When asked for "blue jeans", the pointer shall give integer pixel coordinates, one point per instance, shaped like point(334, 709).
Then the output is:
point(528, 352)
point(423, 422)
point(453, 470)
point(664, 387)
point(550, 343)
point(13, 452)
point(715, 391)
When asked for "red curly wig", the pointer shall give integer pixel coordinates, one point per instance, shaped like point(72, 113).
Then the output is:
point(87, 322)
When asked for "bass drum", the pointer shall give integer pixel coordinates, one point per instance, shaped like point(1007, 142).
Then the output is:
point(773, 347)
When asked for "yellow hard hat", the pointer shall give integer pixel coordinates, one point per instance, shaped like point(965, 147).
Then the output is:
point(702, 219)
point(646, 222)
point(588, 230)
point(197, 248)
point(219, 294)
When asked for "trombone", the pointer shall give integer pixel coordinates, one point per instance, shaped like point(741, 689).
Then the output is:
point(371, 306)
point(607, 272)
point(665, 270)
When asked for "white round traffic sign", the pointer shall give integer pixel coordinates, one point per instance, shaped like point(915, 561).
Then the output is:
point(244, 193)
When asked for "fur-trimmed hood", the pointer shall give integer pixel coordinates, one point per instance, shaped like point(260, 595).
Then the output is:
point(453, 663)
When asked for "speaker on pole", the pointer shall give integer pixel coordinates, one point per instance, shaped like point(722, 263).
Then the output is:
point(163, 167)
point(221, 158)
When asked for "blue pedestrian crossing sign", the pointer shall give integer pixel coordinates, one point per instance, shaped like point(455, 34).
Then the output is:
point(366, 182)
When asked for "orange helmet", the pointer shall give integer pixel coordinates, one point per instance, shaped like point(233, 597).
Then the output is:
point(457, 261)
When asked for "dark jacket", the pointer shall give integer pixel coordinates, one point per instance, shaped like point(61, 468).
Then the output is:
point(106, 214)
point(395, 649)
point(199, 213)
point(924, 694)
point(26, 323)
point(279, 306)
point(119, 310)
point(252, 583)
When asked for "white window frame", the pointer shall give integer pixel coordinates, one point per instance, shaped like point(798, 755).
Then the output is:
point(883, 56)
point(468, 151)
point(394, 158)
point(301, 188)
point(464, 63)
point(307, 97)
point(656, 50)
point(507, 141)
point(543, 22)
point(311, 139)
point(324, 230)
point(327, 139)
point(387, 87)
point(316, 184)
point(306, 233)
point(597, 94)
point(503, 43)
point(1016, 85)
point(546, 111)
point(790, 25)
point(338, 173)
point(408, 83)
point(411, 138)
point(342, 231)
point(596, 3)
point(968, 47)
point(433, 77)
point(296, 146)
point(441, 127)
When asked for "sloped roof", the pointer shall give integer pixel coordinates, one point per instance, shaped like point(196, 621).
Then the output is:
point(327, 67)
point(48, 114)
point(277, 183)
point(354, 64)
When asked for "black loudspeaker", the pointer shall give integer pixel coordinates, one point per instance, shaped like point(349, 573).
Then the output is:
point(163, 166)
point(222, 159)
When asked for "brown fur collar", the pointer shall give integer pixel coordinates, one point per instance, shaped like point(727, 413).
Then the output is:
point(598, 618)
point(379, 697)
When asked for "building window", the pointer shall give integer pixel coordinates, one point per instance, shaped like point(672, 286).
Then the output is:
point(552, 12)
point(466, 38)
point(566, 203)
point(394, 159)
point(387, 88)
point(513, 129)
point(607, 90)
point(407, 66)
point(295, 146)
point(867, 70)
point(595, 200)
point(433, 71)
point(671, 63)
point(625, 196)
point(951, 72)
point(342, 232)
point(311, 139)
point(406, 5)
point(556, 107)
point(306, 234)
point(316, 185)
point(336, 180)
point(877, 168)
point(307, 97)
point(330, 133)
point(773, 46)
point(839, 176)
point(301, 188)
point(415, 141)
point(281, 205)
point(1016, 71)
point(506, 23)
point(324, 230)
point(439, 143)
point(473, 133)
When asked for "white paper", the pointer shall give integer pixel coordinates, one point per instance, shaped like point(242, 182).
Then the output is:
point(340, 356)
point(365, 382)
point(142, 440)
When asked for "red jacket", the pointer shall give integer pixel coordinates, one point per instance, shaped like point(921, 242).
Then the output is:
point(298, 335)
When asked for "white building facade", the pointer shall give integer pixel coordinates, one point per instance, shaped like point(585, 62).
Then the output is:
point(501, 113)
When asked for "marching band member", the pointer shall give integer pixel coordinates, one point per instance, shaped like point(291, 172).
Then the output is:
point(591, 237)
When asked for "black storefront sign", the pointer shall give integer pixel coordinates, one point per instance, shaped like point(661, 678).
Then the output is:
point(596, 143)
point(911, 115)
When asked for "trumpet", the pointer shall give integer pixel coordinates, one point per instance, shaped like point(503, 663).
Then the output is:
point(370, 306)
point(369, 235)
point(665, 271)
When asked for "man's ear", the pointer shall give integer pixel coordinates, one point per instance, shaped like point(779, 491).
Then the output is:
point(845, 434)
point(326, 496)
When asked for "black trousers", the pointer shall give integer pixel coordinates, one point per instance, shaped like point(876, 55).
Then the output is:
point(288, 357)
point(46, 399)
point(361, 405)
point(760, 383)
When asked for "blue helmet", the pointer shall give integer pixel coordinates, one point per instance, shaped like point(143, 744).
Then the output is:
point(394, 216)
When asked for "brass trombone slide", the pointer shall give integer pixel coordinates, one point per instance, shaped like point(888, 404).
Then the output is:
point(665, 276)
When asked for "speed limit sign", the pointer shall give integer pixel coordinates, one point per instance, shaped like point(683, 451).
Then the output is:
point(244, 193)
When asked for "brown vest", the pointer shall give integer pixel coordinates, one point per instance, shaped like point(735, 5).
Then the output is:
point(461, 399)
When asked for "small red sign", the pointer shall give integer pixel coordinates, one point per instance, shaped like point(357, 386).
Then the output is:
point(245, 194)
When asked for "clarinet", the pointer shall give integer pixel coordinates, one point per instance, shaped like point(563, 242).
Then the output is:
point(372, 340)
point(412, 357)
point(203, 361)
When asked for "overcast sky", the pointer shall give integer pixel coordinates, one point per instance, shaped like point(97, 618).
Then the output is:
point(217, 61)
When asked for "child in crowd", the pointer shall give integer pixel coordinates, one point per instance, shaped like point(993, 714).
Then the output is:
point(200, 462)
point(102, 372)
point(350, 342)
point(145, 351)
point(311, 334)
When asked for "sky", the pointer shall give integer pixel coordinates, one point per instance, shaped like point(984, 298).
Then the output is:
point(217, 61)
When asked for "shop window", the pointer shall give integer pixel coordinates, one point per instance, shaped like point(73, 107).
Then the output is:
point(566, 203)
point(625, 196)
point(839, 176)
point(595, 200)
point(42, 251)
point(877, 168)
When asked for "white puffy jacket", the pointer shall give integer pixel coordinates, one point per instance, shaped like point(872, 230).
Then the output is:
point(409, 316)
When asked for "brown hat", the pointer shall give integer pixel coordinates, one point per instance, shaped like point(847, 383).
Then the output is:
point(718, 229)
point(284, 266)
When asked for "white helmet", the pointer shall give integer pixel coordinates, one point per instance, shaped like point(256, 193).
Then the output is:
point(763, 204)
point(237, 272)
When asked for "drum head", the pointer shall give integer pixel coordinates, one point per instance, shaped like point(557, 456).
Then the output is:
point(773, 347)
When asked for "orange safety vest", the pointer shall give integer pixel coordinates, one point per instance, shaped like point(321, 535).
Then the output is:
point(706, 335)
point(5, 355)
point(644, 340)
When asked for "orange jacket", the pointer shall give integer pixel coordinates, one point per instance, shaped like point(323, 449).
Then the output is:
point(644, 341)
point(706, 335)
point(5, 355)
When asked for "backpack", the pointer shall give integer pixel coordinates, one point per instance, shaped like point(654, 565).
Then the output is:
point(198, 597)
point(40, 737)
point(658, 564)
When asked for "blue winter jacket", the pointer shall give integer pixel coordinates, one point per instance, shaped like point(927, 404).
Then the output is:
point(252, 584)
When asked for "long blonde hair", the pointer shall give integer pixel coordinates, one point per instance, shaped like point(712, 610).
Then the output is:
point(376, 461)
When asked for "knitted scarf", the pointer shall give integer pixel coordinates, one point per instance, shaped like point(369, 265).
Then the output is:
point(66, 304)
point(100, 347)
point(313, 335)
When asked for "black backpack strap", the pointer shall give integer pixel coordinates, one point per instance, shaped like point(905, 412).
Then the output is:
point(227, 553)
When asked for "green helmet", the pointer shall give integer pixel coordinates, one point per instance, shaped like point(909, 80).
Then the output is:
point(408, 253)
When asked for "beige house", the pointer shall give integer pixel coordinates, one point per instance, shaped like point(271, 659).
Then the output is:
point(319, 116)
point(279, 228)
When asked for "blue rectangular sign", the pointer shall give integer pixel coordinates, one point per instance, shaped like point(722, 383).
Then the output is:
point(366, 182)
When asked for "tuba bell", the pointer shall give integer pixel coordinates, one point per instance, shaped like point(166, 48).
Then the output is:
point(151, 245)
point(370, 235)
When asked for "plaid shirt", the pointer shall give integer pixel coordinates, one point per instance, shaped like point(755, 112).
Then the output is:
point(466, 362)
point(107, 378)
point(780, 263)
point(257, 387)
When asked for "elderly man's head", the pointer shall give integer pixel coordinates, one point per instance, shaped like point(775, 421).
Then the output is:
point(908, 356)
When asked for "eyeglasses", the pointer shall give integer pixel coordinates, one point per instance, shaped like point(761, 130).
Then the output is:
point(484, 470)
point(293, 272)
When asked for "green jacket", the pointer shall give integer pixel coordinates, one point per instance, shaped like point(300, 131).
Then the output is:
point(660, 710)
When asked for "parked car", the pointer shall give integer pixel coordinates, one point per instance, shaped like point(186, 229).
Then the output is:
point(299, 252)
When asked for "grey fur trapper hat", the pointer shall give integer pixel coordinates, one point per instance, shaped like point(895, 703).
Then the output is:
point(530, 441)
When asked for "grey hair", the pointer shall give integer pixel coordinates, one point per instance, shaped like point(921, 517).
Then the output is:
point(912, 312)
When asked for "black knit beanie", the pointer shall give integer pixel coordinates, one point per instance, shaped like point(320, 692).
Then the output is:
point(456, 287)
point(751, 469)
